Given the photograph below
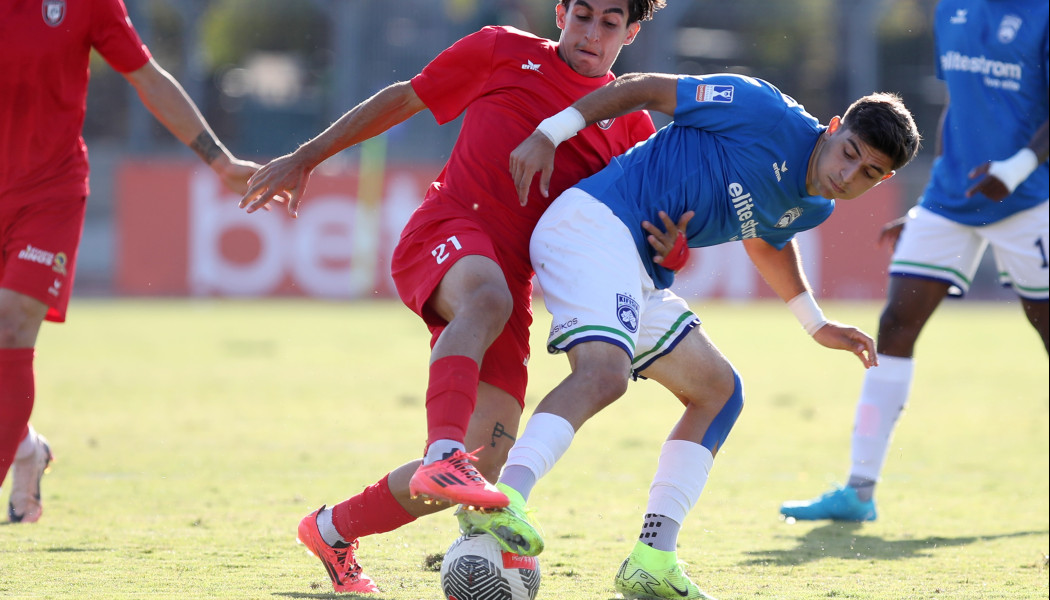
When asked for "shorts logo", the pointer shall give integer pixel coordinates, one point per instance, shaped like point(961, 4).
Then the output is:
point(36, 255)
point(627, 312)
point(59, 265)
point(714, 93)
point(788, 218)
point(54, 11)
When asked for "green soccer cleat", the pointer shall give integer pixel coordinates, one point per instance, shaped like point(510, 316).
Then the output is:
point(511, 526)
point(650, 574)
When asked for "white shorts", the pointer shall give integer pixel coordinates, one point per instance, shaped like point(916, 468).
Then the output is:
point(595, 287)
point(934, 247)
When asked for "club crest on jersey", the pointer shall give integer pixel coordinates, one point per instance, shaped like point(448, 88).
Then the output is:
point(714, 93)
point(605, 123)
point(627, 312)
point(788, 218)
point(54, 11)
point(1008, 28)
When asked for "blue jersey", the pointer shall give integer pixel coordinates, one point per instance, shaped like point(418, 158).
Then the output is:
point(993, 58)
point(736, 153)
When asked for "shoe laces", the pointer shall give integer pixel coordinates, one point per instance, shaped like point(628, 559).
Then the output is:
point(346, 561)
point(463, 462)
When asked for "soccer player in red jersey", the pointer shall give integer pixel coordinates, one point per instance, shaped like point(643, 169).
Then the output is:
point(462, 263)
point(44, 187)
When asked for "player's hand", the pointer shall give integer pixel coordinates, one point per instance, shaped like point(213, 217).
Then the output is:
point(663, 241)
point(283, 179)
point(989, 185)
point(235, 173)
point(845, 337)
point(891, 232)
point(535, 154)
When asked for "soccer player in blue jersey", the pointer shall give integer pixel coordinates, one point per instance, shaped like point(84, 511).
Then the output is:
point(988, 187)
point(740, 162)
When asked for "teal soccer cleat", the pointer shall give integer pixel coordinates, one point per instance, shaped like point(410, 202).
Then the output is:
point(840, 504)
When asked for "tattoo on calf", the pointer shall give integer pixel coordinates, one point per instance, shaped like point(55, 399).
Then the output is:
point(498, 431)
point(206, 147)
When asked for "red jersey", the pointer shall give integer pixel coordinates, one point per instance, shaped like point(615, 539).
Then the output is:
point(43, 88)
point(508, 81)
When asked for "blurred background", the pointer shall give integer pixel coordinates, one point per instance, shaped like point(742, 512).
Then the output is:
point(270, 74)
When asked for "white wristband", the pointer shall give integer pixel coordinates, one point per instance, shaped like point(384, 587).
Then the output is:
point(1015, 169)
point(562, 126)
point(804, 306)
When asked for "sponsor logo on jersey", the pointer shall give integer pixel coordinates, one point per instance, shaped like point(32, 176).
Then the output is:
point(788, 218)
point(744, 206)
point(996, 74)
point(714, 93)
point(1008, 28)
point(54, 11)
point(780, 169)
point(959, 18)
point(531, 66)
point(953, 61)
point(627, 312)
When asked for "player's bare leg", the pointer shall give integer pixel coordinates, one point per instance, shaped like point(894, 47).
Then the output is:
point(474, 299)
point(1038, 313)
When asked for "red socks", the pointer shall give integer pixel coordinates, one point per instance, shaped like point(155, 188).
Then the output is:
point(451, 396)
point(16, 402)
point(375, 510)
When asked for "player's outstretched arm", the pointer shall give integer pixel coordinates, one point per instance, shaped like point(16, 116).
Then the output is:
point(284, 179)
point(782, 270)
point(998, 179)
point(629, 93)
point(170, 104)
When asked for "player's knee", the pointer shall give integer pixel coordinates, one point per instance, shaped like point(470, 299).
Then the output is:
point(603, 382)
point(491, 304)
point(18, 326)
point(723, 422)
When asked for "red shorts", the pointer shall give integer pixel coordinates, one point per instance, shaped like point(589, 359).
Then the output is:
point(428, 247)
point(38, 250)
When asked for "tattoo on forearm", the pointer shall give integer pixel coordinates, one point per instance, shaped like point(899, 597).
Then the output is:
point(498, 431)
point(206, 147)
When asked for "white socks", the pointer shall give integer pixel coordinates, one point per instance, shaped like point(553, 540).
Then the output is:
point(543, 443)
point(882, 399)
point(680, 478)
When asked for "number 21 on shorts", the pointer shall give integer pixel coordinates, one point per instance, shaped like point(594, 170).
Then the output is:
point(441, 251)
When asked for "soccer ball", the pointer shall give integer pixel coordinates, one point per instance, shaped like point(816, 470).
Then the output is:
point(476, 568)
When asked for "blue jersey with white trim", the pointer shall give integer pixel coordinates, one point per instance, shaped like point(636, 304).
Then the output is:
point(736, 153)
point(993, 57)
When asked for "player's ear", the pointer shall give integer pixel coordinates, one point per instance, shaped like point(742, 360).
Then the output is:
point(632, 31)
point(834, 124)
point(559, 15)
point(887, 176)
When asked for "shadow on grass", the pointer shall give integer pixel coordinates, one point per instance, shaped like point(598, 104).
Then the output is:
point(840, 540)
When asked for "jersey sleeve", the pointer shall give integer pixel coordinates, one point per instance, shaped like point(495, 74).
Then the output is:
point(457, 76)
point(730, 103)
point(114, 37)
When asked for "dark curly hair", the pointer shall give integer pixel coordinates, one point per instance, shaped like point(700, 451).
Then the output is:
point(637, 10)
point(885, 124)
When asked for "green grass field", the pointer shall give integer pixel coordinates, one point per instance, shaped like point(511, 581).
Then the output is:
point(191, 437)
